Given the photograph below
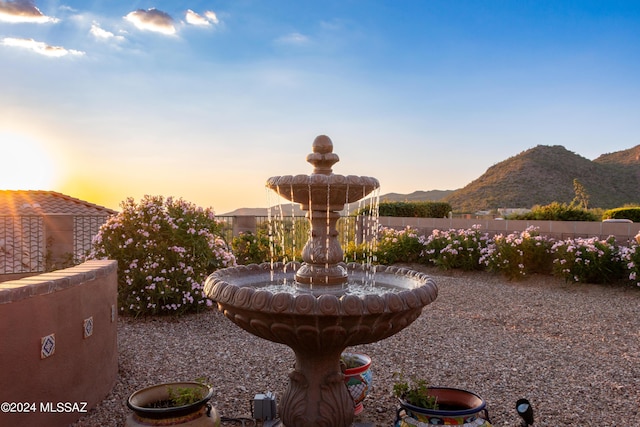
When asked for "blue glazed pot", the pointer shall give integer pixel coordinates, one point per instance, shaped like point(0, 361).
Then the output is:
point(455, 407)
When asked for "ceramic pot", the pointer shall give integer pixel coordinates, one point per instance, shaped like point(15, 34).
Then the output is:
point(358, 379)
point(197, 414)
point(455, 407)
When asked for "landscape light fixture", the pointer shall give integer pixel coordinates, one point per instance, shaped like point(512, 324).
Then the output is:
point(525, 411)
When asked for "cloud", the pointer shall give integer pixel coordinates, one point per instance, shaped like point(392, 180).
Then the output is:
point(40, 47)
point(205, 20)
point(152, 20)
point(101, 34)
point(211, 16)
point(293, 39)
point(23, 11)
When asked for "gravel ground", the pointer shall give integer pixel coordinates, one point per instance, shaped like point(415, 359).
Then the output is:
point(572, 349)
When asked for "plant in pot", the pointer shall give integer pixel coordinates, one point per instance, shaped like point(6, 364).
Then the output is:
point(422, 405)
point(179, 403)
point(358, 377)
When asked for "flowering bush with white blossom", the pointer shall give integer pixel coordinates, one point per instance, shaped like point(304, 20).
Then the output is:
point(165, 250)
point(456, 248)
point(589, 260)
point(584, 260)
point(519, 254)
point(630, 257)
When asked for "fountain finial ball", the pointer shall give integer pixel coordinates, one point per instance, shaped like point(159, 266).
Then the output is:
point(322, 145)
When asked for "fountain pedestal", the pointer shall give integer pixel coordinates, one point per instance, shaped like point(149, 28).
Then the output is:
point(322, 254)
point(316, 394)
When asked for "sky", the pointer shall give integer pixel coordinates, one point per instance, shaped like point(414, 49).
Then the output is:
point(205, 100)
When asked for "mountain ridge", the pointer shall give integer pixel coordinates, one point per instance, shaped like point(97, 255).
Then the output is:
point(537, 176)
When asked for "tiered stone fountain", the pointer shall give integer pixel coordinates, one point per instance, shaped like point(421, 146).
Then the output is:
point(320, 317)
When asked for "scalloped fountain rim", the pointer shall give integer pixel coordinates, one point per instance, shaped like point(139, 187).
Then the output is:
point(420, 290)
point(322, 179)
point(348, 188)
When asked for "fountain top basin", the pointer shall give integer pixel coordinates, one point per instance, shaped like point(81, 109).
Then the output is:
point(323, 190)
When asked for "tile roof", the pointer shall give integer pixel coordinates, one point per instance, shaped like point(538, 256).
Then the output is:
point(28, 202)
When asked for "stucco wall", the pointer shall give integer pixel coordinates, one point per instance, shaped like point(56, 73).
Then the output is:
point(58, 343)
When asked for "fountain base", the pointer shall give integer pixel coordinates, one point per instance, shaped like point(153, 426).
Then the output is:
point(316, 394)
point(321, 276)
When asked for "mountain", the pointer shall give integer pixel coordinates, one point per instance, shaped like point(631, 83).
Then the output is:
point(545, 174)
point(630, 157)
point(538, 176)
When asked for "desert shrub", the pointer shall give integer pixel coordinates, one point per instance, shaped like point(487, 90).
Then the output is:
point(250, 248)
point(519, 254)
point(362, 252)
point(628, 212)
point(397, 246)
point(165, 250)
point(557, 212)
point(456, 248)
point(587, 260)
point(289, 235)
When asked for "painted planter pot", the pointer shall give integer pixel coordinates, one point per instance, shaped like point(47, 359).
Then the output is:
point(197, 414)
point(358, 378)
point(456, 408)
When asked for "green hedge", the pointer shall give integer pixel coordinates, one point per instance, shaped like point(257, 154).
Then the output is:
point(629, 212)
point(557, 212)
point(411, 209)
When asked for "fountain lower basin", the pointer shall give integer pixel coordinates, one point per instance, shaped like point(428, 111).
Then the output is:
point(319, 319)
point(318, 325)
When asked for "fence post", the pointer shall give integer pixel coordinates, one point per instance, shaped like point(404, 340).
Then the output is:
point(243, 224)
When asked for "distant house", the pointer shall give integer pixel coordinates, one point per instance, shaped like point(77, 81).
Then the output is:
point(45, 230)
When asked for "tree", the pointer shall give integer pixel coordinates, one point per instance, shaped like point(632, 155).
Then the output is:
point(581, 198)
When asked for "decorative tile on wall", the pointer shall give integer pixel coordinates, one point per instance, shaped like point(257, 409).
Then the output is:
point(47, 346)
point(87, 327)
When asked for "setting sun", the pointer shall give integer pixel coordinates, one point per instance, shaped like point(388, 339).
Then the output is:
point(27, 164)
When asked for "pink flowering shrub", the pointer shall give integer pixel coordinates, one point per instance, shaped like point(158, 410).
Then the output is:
point(630, 257)
point(519, 254)
point(165, 250)
point(397, 246)
point(456, 248)
point(588, 260)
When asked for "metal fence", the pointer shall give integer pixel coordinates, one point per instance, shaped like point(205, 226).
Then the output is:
point(22, 245)
point(226, 223)
point(85, 228)
point(289, 231)
point(25, 243)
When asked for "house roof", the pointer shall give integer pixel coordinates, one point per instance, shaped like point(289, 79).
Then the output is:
point(29, 202)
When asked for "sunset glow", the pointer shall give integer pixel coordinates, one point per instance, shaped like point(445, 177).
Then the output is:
point(206, 101)
point(26, 164)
